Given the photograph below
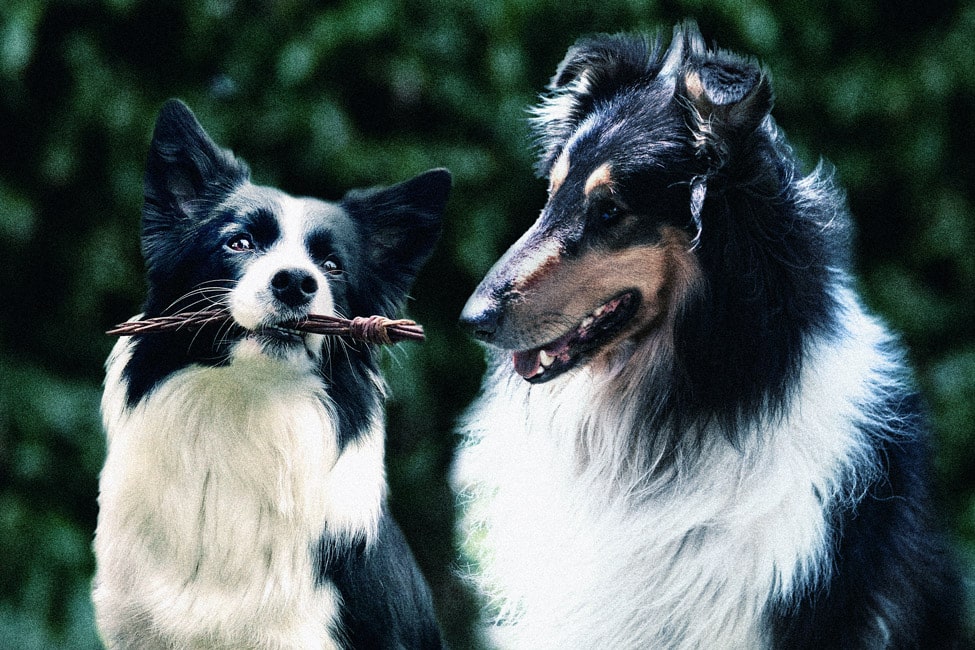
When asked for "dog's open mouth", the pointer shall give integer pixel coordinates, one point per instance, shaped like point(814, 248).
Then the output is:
point(596, 329)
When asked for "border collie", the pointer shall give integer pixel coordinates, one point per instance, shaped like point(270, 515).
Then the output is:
point(243, 499)
point(691, 434)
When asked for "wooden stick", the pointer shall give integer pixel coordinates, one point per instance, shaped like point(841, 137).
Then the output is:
point(371, 329)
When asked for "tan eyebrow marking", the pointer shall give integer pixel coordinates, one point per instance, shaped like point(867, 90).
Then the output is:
point(601, 176)
point(695, 89)
point(559, 171)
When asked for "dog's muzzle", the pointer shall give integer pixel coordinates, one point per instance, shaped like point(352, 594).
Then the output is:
point(481, 316)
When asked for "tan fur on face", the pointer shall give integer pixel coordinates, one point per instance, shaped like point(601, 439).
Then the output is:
point(557, 296)
point(695, 89)
point(602, 176)
point(559, 171)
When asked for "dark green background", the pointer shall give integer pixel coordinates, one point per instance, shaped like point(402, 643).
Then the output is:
point(323, 97)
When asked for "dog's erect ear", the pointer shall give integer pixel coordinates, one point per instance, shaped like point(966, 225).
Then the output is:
point(728, 96)
point(593, 69)
point(186, 172)
point(609, 58)
point(401, 225)
point(728, 92)
point(686, 44)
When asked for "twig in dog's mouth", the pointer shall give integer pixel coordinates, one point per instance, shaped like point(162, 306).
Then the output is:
point(370, 329)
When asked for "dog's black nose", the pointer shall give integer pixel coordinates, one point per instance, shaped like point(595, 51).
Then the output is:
point(294, 287)
point(481, 317)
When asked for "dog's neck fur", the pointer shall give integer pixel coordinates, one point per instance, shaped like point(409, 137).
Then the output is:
point(233, 474)
point(584, 501)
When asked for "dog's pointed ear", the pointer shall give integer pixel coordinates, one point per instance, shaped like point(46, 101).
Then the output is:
point(593, 68)
point(186, 171)
point(729, 92)
point(686, 43)
point(728, 96)
point(401, 225)
point(599, 59)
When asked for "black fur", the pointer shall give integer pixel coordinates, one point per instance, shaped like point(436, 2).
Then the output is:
point(188, 177)
point(378, 592)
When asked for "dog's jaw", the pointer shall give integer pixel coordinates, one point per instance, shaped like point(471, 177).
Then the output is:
point(265, 332)
point(570, 312)
point(598, 329)
point(278, 342)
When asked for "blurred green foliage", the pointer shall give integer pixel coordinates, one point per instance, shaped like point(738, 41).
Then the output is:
point(320, 97)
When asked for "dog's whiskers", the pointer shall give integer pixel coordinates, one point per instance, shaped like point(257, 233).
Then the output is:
point(202, 294)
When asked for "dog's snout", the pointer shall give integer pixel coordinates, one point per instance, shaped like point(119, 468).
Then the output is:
point(294, 287)
point(481, 317)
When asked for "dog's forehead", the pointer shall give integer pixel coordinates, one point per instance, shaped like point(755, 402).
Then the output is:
point(623, 136)
point(305, 214)
point(296, 216)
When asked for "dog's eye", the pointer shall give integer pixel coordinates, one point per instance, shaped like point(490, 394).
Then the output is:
point(331, 265)
point(607, 213)
point(241, 244)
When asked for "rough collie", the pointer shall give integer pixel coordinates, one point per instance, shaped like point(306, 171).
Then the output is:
point(691, 434)
point(243, 500)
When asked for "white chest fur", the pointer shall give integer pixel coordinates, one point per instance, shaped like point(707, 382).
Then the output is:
point(214, 492)
point(578, 558)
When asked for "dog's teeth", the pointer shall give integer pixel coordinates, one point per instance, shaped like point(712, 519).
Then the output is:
point(600, 311)
point(545, 358)
point(587, 321)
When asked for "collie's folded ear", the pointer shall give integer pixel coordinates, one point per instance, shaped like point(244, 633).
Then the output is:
point(593, 69)
point(401, 224)
point(728, 96)
point(185, 167)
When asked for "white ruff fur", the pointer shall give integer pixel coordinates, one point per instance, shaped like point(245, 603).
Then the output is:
point(216, 488)
point(581, 550)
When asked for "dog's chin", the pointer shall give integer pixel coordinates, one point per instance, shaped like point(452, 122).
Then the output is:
point(589, 337)
point(277, 342)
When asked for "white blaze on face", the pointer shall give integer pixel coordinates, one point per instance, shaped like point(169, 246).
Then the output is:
point(535, 261)
point(252, 302)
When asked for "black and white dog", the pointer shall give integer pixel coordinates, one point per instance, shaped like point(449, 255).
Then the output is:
point(243, 500)
point(691, 434)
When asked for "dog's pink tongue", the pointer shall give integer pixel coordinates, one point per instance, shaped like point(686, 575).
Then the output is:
point(527, 364)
